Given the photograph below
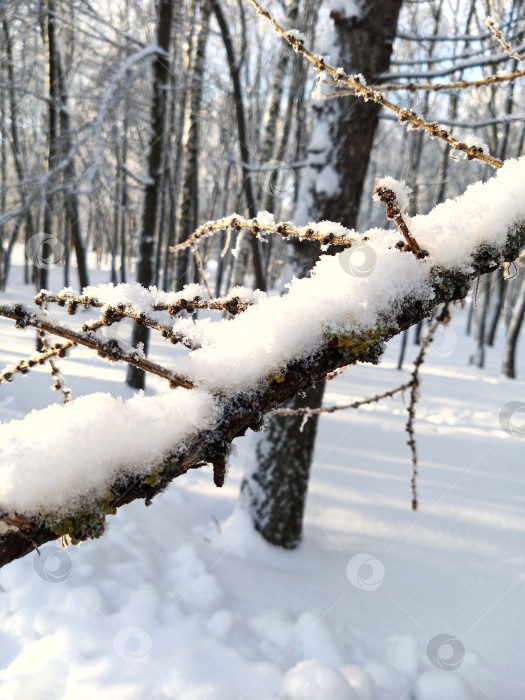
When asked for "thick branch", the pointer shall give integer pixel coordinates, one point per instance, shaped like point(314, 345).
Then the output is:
point(244, 411)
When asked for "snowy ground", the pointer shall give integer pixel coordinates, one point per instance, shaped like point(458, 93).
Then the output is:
point(182, 600)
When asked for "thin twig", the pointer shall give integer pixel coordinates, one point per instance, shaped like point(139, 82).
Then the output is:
point(368, 93)
point(201, 269)
point(232, 304)
point(393, 212)
point(489, 21)
point(60, 382)
point(442, 318)
point(284, 228)
point(25, 366)
point(436, 87)
point(109, 349)
point(331, 409)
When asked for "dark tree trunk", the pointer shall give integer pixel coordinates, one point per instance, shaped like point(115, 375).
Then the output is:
point(508, 368)
point(482, 309)
point(42, 256)
point(71, 196)
point(190, 144)
point(284, 454)
point(500, 287)
point(145, 271)
point(402, 350)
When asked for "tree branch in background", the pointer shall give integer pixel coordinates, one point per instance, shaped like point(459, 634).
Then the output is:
point(504, 43)
point(367, 93)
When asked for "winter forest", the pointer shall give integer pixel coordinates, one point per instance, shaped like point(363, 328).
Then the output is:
point(262, 388)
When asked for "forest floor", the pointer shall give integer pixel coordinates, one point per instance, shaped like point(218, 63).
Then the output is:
point(182, 600)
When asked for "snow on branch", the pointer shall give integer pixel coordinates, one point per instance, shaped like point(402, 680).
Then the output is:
point(360, 89)
point(64, 468)
point(325, 232)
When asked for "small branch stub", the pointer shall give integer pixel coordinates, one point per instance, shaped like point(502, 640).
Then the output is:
point(393, 213)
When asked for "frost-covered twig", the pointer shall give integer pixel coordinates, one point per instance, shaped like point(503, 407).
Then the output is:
point(174, 303)
point(489, 21)
point(442, 318)
point(37, 359)
point(60, 382)
point(234, 303)
point(436, 87)
point(110, 349)
point(327, 233)
point(331, 409)
point(368, 93)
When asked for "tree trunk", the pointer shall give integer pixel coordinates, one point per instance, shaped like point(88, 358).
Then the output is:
point(42, 250)
point(179, 98)
point(500, 288)
point(330, 189)
point(269, 191)
point(190, 144)
point(15, 141)
point(482, 310)
point(3, 186)
point(66, 144)
point(145, 272)
point(508, 368)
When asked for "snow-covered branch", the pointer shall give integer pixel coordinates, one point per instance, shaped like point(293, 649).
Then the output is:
point(100, 453)
point(325, 232)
